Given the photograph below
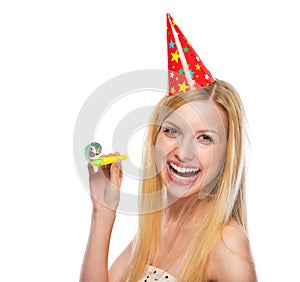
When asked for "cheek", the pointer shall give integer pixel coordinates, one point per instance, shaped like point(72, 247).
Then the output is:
point(159, 157)
point(213, 161)
point(165, 143)
point(159, 153)
point(163, 147)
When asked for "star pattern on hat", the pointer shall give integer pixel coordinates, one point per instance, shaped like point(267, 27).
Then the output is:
point(175, 56)
point(186, 70)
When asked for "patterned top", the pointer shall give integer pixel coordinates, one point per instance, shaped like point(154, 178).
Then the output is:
point(157, 274)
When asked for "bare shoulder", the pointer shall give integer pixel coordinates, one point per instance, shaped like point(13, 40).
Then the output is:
point(116, 270)
point(235, 240)
point(231, 258)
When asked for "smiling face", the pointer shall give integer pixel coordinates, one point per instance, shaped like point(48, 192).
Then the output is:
point(191, 147)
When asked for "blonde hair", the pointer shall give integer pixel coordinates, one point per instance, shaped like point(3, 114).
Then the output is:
point(227, 200)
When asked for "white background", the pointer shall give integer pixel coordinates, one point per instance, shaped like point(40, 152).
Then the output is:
point(54, 54)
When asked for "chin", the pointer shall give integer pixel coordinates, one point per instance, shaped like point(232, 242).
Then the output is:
point(177, 191)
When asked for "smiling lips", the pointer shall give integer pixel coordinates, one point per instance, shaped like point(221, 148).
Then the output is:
point(182, 175)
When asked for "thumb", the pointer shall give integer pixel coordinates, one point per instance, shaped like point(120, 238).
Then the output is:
point(91, 170)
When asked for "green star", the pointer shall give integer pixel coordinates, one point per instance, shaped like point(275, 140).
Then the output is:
point(181, 71)
point(185, 49)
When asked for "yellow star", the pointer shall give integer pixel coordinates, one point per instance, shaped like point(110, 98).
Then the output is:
point(182, 87)
point(175, 56)
point(198, 67)
point(173, 22)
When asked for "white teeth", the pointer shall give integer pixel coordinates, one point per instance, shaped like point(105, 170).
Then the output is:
point(182, 178)
point(183, 169)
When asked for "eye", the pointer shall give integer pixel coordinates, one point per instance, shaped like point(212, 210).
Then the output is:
point(171, 132)
point(206, 139)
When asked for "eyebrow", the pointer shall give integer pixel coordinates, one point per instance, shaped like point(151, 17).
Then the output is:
point(198, 131)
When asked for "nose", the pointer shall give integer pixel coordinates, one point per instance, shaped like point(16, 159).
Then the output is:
point(186, 150)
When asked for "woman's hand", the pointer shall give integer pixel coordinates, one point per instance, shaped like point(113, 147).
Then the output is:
point(105, 186)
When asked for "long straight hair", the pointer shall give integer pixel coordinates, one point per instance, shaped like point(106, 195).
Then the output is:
point(227, 200)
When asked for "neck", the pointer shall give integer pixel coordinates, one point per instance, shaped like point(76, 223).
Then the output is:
point(187, 211)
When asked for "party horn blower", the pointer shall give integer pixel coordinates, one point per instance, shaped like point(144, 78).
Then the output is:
point(107, 160)
point(92, 154)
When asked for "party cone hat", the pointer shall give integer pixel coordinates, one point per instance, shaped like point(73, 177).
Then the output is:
point(186, 70)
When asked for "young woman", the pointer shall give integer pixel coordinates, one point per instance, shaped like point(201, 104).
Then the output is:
point(192, 223)
point(194, 154)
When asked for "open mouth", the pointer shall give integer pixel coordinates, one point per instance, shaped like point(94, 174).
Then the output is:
point(183, 175)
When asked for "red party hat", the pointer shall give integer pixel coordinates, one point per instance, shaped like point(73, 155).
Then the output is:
point(186, 70)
